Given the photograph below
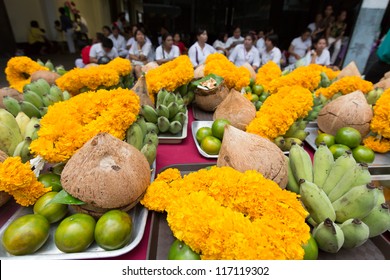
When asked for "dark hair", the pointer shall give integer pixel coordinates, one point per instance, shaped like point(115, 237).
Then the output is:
point(115, 28)
point(273, 38)
point(100, 36)
point(165, 36)
point(250, 34)
point(200, 31)
point(318, 39)
point(107, 43)
point(34, 23)
point(107, 27)
point(306, 30)
point(222, 35)
point(61, 10)
point(138, 30)
point(235, 27)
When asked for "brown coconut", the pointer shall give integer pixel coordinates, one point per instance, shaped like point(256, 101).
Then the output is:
point(49, 76)
point(7, 91)
point(349, 70)
point(199, 72)
point(383, 84)
point(149, 66)
point(208, 100)
point(4, 197)
point(350, 110)
point(246, 151)
point(237, 109)
point(106, 173)
point(251, 70)
point(141, 89)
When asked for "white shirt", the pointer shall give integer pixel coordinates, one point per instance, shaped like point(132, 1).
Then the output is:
point(312, 26)
point(97, 51)
point(131, 41)
point(323, 59)
point(197, 55)
point(119, 43)
point(300, 48)
point(231, 40)
point(162, 54)
point(145, 50)
point(275, 55)
point(240, 56)
point(219, 44)
point(260, 45)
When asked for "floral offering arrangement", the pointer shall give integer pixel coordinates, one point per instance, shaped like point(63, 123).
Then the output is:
point(106, 76)
point(280, 111)
point(69, 124)
point(234, 77)
point(222, 213)
point(19, 70)
point(18, 180)
point(267, 73)
point(345, 85)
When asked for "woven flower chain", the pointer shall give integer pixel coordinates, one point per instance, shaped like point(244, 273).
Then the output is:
point(68, 125)
point(222, 213)
point(234, 77)
point(280, 110)
point(19, 69)
point(94, 78)
point(17, 179)
point(267, 73)
point(170, 75)
point(345, 85)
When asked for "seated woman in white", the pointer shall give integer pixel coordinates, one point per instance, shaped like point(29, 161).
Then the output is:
point(199, 51)
point(271, 51)
point(246, 53)
point(320, 54)
point(167, 50)
point(139, 52)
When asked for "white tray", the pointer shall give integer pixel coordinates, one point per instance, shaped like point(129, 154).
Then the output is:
point(169, 138)
point(195, 126)
point(49, 251)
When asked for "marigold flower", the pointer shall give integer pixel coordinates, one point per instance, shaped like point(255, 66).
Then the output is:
point(345, 85)
point(377, 144)
point(380, 122)
point(267, 73)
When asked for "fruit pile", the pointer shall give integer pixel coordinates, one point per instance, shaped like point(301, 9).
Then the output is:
point(345, 209)
point(295, 134)
point(169, 114)
point(257, 94)
point(209, 138)
point(347, 139)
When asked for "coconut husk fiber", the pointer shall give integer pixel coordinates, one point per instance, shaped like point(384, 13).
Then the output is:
point(149, 66)
point(250, 68)
point(199, 72)
point(4, 197)
point(237, 109)
point(246, 151)
point(210, 99)
point(349, 70)
point(7, 91)
point(384, 84)
point(106, 173)
point(350, 110)
point(49, 76)
point(141, 89)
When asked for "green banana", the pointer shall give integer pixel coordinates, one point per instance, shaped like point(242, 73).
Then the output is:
point(8, 139)
point(363, 176)
point(56, 93)
point(372, 97)
point(47, 100)
point(329, 236)
point(292, 184)
point(33, 98)
point(23, 150)
point(355, 233)
point(325, 82)
point(322, 163)
point(151, 137)
point(173, 109)
point(179, 100)
point(292, 129)
point(49, 65)
point(66, 95)
point(381, 196)
point(12, 105)
point(182, 109)
point(134, 136)
point(151, 127)
point(340, 166)
point(141, 122)
point(40, 86)
point(29, 109)
point(7, 119)
point(316, 202)
point(300, 134)
point(40, 62)
point(289, 142)
point(160, 97)
point(280, 142)
point(162, 110)
point(60, 70)
point(182, 90)
point(189, 97)
point(345, 184)
point(356, 203)
point(175, 127)
point(22, 119)
point(301, 164)
point(149, 150)
point(149, 113)
point(378, 220)
point(180, 117)
point(169, 97)
point(43, 110)
point(163, 124)
point(31, 127)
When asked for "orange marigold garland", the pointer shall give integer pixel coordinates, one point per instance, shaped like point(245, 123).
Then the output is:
point(345, 85)
point(267, 73)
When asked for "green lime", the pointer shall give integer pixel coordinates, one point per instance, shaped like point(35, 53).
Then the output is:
point(218, 127)
point(338, 150)
point(348, 136)
point(363, 154)
point(202, 133)
point(311, 249)
point(325, 137)
point(180, 251)
point(257, 89)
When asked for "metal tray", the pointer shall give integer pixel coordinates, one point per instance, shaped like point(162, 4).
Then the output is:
point(161, 237)
point(380, 159)
point(169, 138)
point(201, 115)
point(138, 214)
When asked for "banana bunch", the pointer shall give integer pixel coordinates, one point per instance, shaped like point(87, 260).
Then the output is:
point(344, 208)
point(37, 97)
point(10, 135)
point(373, 95)
point(58, 69)
point(169, 115)
point(295, 134)
point(144, 138)
point(186, 91)
point(318, 104)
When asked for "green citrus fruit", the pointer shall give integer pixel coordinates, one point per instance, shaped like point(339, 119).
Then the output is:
point(218, 127)
point(263, 96)
point(180, 251)
point(254, 97)
point(348, 136)
point(26, 234)
point(338, 150)
point(325, 137)
point(113, 230)
point(75, 233)
point(363, 154)
point(251, 82)
point(211, 145)
point(257, 89)
point(311, 249)
point(51, 180)
point(53, 212)
point(202, 133)
point(248, 89)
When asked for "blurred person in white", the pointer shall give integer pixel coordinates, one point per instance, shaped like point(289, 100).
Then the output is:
point(234, 40)
point(119, 42)
point(320, 54)
point(139, 52)
point(167, 51)
point(335, 34)
point(260, 43)
point(199, 51)
point(299, 46)
point(317, 27)
point(271, 52)
point(131, 39)
point(220, 43)
point(102, 53)
point(246, 53)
